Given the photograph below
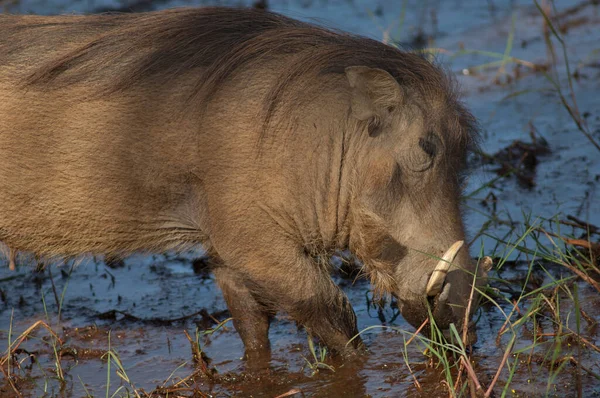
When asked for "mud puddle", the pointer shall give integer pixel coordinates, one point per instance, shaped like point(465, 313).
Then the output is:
point(145, 329)
point(141, 312)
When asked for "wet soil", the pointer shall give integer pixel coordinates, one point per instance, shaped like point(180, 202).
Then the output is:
point(535, 165)
point(141, 312)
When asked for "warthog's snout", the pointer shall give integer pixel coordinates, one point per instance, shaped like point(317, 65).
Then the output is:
point(446, 294)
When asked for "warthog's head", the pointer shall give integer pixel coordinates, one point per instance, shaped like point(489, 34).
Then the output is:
point(407, 225)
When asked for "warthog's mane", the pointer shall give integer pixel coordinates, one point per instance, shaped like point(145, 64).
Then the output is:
point(132, 49)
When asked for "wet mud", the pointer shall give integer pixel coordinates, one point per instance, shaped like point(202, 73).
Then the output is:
point(146, 329)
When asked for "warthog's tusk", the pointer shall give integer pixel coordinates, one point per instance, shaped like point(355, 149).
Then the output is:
point(436, 280)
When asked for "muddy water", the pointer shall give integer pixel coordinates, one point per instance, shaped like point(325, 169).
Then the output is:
point(161, 289)
point(154, 350)
point(512, 103)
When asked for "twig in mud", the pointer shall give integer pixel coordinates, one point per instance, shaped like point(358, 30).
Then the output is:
point(11, 382)
point(586, 341)
point(592, 247)
point(293, 391)
point(418, 331)
point(175, 387)
point(472, 376)
point(576, 225)
point(450, 391)
point(199, 358)
point(595, 247)
point(486, 263)
point(507, 352)
point(174, 392)
point(581, 274)
point(591, 321)
point(572, 268)
point(186, 379)
point(584, 368)
point(412, 374)
point(206, 314)
point(465, 329)
point(585, 225)
point(459, 376)
point(575, 9)
point(507, 321)
point(582, 243)
point(474, 386)
point(10, 350)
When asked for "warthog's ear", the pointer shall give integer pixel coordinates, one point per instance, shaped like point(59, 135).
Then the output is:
point(375, 94)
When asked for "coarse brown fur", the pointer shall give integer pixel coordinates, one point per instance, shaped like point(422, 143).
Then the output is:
point(267, 140)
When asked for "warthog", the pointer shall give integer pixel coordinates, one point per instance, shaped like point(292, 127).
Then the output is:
point(271, 142)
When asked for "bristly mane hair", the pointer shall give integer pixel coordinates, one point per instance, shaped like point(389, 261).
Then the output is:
point(133, 48)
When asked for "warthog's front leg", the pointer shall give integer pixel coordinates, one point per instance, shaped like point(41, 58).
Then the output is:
point(327, 315)
point(250, 318)
point(284, 278)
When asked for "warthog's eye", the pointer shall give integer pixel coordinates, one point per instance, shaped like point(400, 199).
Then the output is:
point(428, 144)
point(423, 161)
